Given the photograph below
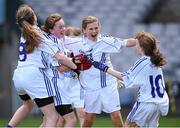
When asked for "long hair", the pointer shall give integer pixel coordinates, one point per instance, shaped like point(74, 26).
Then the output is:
point(50, 22)
point(26, 20)
point(149, 45)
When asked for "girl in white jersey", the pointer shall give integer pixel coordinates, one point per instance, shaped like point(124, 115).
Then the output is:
point(54, 27)
point(146, 74)
point(73, 34)
point(30, 79)
point(101, 93)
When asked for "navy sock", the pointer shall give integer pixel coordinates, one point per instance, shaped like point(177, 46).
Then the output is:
point(8, 126)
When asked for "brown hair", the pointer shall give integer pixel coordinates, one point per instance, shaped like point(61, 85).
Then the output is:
point(72, 31)
point(149, 45)
point(26, 19)
point(50, 22)
point(89, 19)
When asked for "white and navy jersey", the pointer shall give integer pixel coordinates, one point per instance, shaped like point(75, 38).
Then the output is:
point(99, 50)
point(58, 78)
point(36, 58)
point(149, 79)
point(33, 66)
point(53, 63)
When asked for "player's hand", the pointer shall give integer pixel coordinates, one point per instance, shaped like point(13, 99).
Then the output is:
point(101, 66)
point(120, 83)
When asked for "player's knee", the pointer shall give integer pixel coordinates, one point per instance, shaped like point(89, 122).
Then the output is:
point(81, 115)
point(29, 104)
point(115, 115)
point(71, 120)
point(89, 118)
point(53, 117)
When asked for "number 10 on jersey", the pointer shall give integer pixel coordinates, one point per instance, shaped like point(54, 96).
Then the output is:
point(157, 86)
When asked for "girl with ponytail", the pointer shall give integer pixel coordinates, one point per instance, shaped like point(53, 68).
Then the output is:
point(146, 74)
point(30, 78)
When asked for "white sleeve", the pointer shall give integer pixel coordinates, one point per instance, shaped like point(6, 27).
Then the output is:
point(113, 44)
point(131, 77)
point(74, 44)
point(48, 47)
point(125, 42)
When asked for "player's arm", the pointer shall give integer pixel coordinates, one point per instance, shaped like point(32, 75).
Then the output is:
point(63, 60)
point(105, 68)
point(63, 68)
point(114, 73)
point(131, 42)
point(52, 49)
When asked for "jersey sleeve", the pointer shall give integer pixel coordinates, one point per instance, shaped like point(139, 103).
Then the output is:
point(49, 47)
point(113, 44)
point(74, 44)
point(133, 77)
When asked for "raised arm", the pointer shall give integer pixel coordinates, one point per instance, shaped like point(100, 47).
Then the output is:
point(131, 42)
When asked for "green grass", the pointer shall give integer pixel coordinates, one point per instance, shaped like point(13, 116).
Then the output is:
point(169, 122)
point(31, 122)
point(100, 122)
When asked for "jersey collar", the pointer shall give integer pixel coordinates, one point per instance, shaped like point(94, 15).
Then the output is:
point(87, 40)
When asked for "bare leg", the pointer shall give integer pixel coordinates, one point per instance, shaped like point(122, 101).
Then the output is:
point(70, 119)
point(60, 122)
point(21, 113)
point(80, 113)
point(117, 119)
point(43, 123)
point(89, 119)
point(50, 114)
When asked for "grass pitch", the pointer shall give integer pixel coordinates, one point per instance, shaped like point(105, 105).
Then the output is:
point(102, 121)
